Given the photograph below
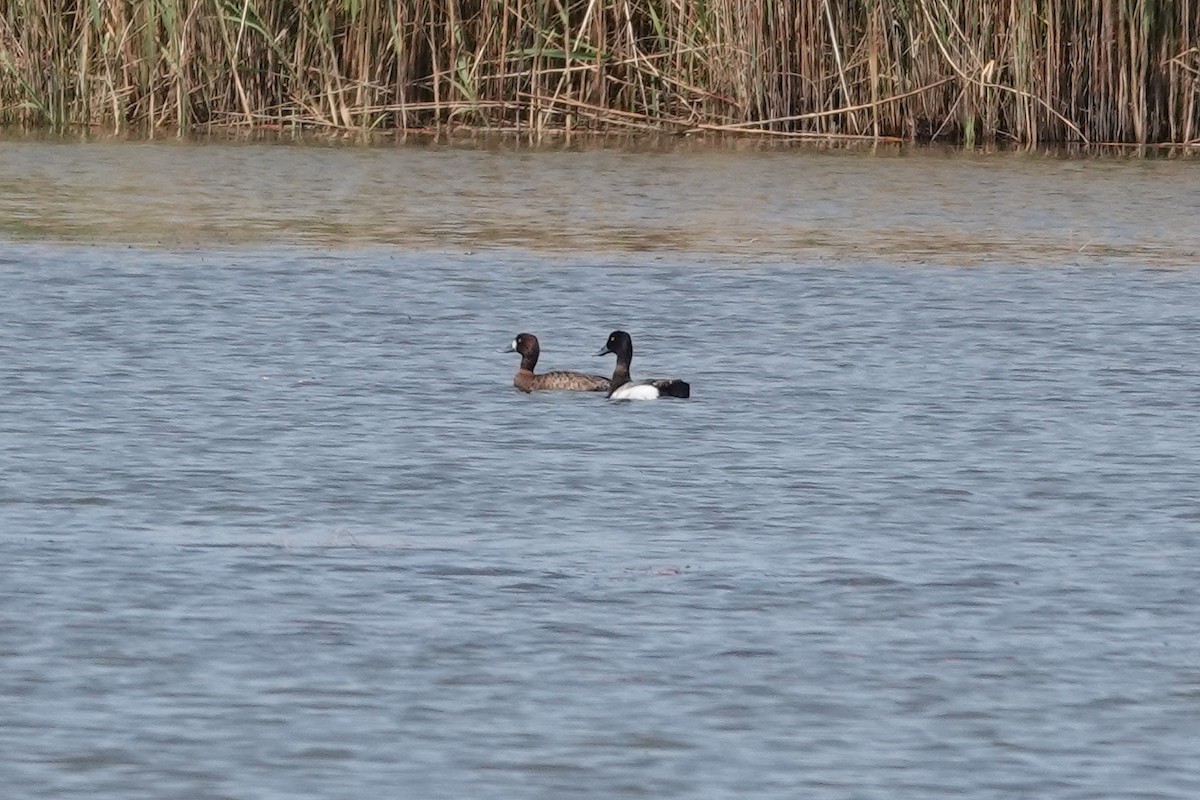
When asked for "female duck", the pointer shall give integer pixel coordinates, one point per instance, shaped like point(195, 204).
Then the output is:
point(527, 345)
point(623, 388)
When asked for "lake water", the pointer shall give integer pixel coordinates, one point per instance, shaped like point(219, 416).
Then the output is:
point(274, 524)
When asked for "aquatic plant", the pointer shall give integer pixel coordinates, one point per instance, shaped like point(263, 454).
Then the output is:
point(978, 71)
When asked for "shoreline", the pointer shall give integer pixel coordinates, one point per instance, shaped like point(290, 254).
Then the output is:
point(557, 139)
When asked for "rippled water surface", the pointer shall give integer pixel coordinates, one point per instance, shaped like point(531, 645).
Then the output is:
point(273, 523)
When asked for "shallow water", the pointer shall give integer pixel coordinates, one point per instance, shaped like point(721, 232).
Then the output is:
point(752, 204)
point(275, 525)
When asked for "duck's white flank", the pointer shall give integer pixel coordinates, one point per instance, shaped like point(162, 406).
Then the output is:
point(635, 391)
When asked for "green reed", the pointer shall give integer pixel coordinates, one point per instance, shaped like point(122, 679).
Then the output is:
point(972, 72)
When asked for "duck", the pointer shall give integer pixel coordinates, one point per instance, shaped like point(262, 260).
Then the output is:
point(622, 387)
point(526, 381)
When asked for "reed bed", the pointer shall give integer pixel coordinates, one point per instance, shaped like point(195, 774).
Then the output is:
point(1027, 71)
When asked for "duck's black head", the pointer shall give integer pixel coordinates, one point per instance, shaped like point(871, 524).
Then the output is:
point(619, 343)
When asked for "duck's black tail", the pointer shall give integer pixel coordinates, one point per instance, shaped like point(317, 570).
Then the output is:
point(674, 388)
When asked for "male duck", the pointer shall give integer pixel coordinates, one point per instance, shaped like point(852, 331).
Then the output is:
point(623, 388)
point(527, 345)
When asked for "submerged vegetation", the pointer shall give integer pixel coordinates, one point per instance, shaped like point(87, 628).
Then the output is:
point(979, 70)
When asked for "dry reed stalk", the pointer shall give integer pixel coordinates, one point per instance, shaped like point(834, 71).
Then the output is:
point(982, 70)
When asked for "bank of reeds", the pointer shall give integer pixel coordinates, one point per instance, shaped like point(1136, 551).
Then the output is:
point(956, 70)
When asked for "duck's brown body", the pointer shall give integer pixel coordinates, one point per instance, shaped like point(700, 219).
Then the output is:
point(527, 381)
point(560, 380)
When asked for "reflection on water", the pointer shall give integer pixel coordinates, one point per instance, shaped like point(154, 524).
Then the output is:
point(911, 206)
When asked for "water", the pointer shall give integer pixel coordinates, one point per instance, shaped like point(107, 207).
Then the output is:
point(274, 524)
point(752, 205)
